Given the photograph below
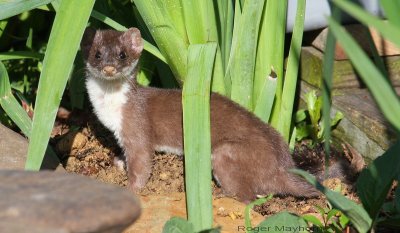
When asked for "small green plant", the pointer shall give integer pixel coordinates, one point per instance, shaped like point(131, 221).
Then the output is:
point(309, 121)
point(374, 182)
point(180, 225)
point(333, 220)
point(281, 222)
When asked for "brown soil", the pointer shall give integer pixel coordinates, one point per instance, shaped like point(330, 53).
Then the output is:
point(87, 148)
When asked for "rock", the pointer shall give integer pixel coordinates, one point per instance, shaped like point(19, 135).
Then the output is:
point(158, 209)
point(71, 142)
point(61, 202)
point(13, 149)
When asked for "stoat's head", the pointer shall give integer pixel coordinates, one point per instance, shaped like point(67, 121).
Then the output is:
point(110, 54)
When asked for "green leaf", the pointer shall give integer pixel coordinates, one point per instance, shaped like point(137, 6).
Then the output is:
point(21, 55)
point(343, 220)
point(196, 132)
point(357, 215)
point(320, 210)
point(250, 206)
point(284, 222)
point(170, 43)
point(14, 7)
point(147, 65)
point(266, 98)
point(327, 72)
point(66, 33)
point(292, 70)
point(199, 13)
point(338, 116)
point(314, 220)
point(270, 55)
point(314, 107)
point(300, 115)
point(375, 182)
point(18, 115)
point(392, 9)
point(303, 131)
point(225, 13)
point(11, 105)
point(178, 225)
point(332, 213)
point(243, 55)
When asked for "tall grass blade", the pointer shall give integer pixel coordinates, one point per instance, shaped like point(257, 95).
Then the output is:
point(266, 99)
point(21, 55)
point(375, 182)
point(197, 139)
point(358, 216)
point(234, 42)
point(292, 70)
point(380, 88)
point(243, 61)
point(66, 33)
point(175, 9)
point(11, 105)
point(18, 115)
point(202, 14)
point(327, 72)
point(172, 46)
point(375, 55)
point(249, 207)
point(387, 29)
point(225, 13)
point(270, 49)
point(392, 9)
point(14, 7)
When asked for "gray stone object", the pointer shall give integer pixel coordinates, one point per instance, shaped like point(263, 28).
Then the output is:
point(13, 149)
point(60, 202)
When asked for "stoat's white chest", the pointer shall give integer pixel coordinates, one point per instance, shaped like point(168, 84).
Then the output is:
point(108, 100)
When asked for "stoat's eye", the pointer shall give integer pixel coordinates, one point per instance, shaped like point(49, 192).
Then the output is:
point(97, 55)
point(122, 55)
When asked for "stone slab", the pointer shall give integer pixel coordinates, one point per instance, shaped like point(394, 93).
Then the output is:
point(344, 76)
point(359, 33)
point(60, 202)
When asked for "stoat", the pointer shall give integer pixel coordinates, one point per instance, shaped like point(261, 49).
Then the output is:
point(249, 157)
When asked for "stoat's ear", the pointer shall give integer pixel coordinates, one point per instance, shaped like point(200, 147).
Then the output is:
point(87, 41)
point(133, 39)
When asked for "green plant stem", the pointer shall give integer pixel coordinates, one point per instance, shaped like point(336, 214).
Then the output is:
point(196, 132)
point(65, 36)
point(327, 87)
point(292, 70)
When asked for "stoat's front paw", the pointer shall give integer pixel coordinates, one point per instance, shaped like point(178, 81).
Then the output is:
point(119, 163)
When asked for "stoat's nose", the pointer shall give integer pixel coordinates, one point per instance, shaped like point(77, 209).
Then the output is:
point(109, 70)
